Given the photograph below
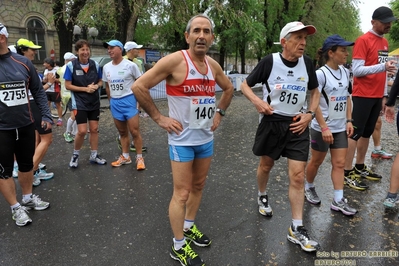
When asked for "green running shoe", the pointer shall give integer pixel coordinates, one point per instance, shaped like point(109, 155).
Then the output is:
point(186, 256)
point(197, 237)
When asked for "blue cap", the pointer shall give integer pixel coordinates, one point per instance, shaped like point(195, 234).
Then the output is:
point(335, 40)
point(113, 43)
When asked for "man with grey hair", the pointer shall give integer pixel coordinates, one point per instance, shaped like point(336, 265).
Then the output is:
point(17, 129)
point(119, 75)
point(191, 77)
point(283, 128)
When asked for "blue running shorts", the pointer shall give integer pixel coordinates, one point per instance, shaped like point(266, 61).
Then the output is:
point(189, 153)
point(124, 108)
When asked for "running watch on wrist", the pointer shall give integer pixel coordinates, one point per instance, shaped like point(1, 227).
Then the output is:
point(221, 111)
point(312, 113)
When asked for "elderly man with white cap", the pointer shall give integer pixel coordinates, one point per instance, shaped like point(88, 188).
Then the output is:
point(71, 127)
point(17, 129)
point(283, 128)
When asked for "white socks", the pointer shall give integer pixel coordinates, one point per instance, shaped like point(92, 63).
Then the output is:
point(338, 195)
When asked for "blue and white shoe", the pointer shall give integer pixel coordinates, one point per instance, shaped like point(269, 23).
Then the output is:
point(42, 166)
point(43, 175)
point(36, 181)
point(391, 202)
point(74, 161)
point(97, 160)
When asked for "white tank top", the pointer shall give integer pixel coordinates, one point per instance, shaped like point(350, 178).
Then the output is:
point(333, 87)
point(193, 104)
point(287, 86)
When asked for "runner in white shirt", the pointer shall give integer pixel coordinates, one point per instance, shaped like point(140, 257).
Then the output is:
point(119, 76)
point(283, 130)
point(191, 77)
point(71, 128)
point(333, 123)
point(54, 91)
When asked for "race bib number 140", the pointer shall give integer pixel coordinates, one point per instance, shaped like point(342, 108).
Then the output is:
point(202, 110)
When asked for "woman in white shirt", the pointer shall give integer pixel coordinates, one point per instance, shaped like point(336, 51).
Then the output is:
point(333, 122)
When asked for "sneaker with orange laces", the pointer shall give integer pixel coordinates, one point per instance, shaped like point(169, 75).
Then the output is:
point(140, 163)
point(121, 161)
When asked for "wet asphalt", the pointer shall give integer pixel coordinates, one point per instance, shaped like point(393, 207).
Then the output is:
point(101, 215)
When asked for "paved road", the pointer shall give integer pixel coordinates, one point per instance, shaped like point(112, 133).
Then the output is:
point(101, 215)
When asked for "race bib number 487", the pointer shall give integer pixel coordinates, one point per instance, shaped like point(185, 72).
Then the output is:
point(13, 93)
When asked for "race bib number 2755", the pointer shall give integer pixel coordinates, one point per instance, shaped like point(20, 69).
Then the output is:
point(13, 93)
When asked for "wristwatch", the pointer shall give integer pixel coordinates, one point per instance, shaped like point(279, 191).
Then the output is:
point(50, 84)
point(221, 111)
point(312, 113)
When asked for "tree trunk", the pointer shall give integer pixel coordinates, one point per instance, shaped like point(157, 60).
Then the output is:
point(123, 8)
point(222, 52)
point(65, 30)
point(131, 27)
point(242, 56)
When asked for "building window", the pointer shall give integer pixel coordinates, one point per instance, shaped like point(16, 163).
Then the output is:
point(36, 34)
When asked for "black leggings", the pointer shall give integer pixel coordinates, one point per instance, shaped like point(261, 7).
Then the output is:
point(21, 142)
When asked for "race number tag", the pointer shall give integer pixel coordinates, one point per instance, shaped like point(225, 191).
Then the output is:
point(382, 56)
point(13, 93)
point(289, 98)
point(116, 88)
point(337, 107)
point(202, 110)
point(79, 72)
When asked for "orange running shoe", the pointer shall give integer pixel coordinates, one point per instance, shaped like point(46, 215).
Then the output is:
point(140, 163)
point(121, 161)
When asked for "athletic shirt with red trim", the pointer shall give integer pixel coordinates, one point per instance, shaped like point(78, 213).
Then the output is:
point(374, 50)
point(193, 104)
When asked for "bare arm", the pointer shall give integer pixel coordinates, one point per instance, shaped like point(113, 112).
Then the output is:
point(163, 69)
point(325, 131)
point(141, 87)
point(314, 99)
point(91, 88)
point(262, 106)
point(224, 83)
point(107, 91)
point(349, 125)
point(304, 119)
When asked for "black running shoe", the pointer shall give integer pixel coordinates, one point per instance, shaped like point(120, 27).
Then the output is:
point(197, 237)
point(131, 148)
point(186, 256)
point(367, 173)
point(352, 181)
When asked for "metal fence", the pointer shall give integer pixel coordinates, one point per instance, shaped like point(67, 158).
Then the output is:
point(158, 92)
